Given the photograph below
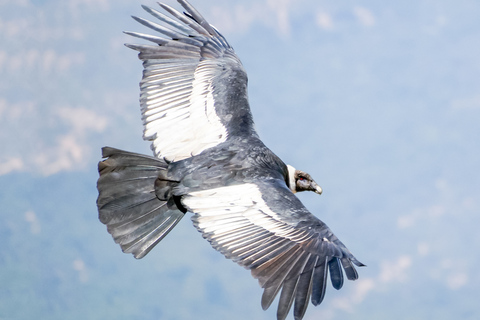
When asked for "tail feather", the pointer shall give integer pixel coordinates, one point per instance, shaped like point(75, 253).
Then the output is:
point(118, 208)
point(137, 226)
point(135, 217)
point(142, 245)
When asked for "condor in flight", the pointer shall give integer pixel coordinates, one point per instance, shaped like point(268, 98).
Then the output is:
point(210, 161)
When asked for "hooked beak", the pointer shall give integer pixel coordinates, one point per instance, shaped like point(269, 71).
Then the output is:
point(316, 188)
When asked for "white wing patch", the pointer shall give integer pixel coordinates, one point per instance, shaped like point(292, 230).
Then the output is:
point(178, 108)
point(229, 213)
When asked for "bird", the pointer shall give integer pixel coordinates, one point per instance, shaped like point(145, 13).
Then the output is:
point(209, 161)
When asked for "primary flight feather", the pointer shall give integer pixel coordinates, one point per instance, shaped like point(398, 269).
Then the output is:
point(210, 161)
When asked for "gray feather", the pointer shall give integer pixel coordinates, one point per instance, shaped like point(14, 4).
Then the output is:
point(304, 288)
point(184, 19)
point(197, 17)
point(160, 16)
point(349, 269)
point(127, 203)
point(290, 286)
point(319, 280)
point(286, 298)
point(161, 29)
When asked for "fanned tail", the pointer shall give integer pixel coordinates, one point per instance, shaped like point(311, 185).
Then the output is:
point(128, 204)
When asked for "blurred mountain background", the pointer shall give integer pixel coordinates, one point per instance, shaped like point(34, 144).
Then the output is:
point(378, 101)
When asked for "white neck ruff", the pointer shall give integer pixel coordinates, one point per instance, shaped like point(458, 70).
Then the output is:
point(291, 178)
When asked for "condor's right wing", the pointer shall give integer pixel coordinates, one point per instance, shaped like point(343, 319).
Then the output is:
point(194, 87)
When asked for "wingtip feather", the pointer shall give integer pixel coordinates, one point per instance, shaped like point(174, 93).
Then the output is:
point(197, 17)
point(336, 274)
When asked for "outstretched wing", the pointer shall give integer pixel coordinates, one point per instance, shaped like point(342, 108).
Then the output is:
point(265, 228)
point(194, 87)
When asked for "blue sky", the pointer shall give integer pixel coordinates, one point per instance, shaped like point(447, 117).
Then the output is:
point(379, 102)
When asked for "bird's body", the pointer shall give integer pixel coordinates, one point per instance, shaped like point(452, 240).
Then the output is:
point(210, 161)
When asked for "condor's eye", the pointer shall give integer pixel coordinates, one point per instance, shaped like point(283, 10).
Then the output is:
point(301, 179)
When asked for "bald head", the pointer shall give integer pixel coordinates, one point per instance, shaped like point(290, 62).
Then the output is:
point(301, 181)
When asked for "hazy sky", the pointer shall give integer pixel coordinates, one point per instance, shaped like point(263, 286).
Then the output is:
point(378, 101)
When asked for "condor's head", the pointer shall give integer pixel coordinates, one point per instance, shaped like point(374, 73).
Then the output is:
point(301, 181)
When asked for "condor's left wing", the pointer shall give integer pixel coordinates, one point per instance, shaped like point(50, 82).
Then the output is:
point(263, 227)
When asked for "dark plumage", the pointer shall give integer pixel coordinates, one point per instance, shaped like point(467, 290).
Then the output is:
point(210, 161)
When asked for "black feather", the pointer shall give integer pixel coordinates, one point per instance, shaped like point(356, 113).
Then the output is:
point(336, 274)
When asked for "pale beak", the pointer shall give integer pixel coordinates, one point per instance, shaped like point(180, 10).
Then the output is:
point(317, 188)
